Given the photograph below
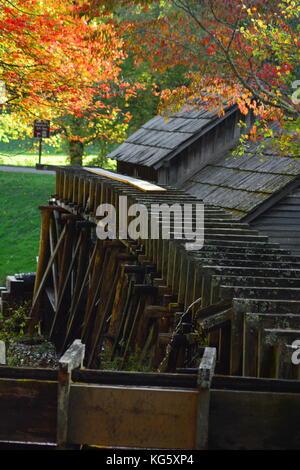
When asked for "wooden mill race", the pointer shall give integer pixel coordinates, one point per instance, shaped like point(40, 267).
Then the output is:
point(213, 326)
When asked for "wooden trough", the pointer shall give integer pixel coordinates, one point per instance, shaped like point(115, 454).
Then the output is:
point(191, 409)
point(156, 301)
point(150, 296)
point(74, 407)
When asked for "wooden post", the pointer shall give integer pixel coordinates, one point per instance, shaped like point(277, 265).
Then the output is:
point(72, 359)
point(40, 150)
point(44, 244)
point(205, 375)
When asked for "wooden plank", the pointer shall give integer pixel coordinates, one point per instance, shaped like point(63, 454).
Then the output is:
point(205, 374)
point(147, 416)
point(242, 306)
point(94, 284)
point(68, 259)
point(72, 320)
point(216, 320)
point(243, 420)
point(34, 313)
point(207, 368)
point(52, 240)
point(119, 300)
point(123, 314)
point(28, 410)
point(248, 384)
point(141, 417)
point(27, 373)
point(44, 245)
point(184, 268)
point(72, 359)
point(76, 301)
point(275, 358)
point(137, 183)
point(253, 323)
point(107, 289)
point(102, 377)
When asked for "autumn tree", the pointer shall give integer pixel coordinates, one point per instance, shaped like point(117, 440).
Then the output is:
point(244, 52)
point(56, 64)
point(90, 128)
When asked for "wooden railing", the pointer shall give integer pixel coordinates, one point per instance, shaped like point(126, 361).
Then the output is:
point(74, 407)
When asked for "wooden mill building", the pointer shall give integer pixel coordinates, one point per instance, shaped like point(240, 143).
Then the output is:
point(192, 150)
point(151, 300)
point(170, 151)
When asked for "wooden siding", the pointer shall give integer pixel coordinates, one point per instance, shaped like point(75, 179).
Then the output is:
point(207, 149)
point(282, 222)
point(138, 171)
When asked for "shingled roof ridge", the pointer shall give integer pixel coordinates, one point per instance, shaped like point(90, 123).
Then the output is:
point(234, 189)
point(242, 170)
point(147, 145)
point(163, 130)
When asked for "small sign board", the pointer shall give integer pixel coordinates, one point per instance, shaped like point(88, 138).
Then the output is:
point(41, 129)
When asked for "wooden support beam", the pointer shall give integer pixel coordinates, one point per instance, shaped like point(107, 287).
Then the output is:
point(52, 240)
point(275, 344)
point(65, 281)
point(76, 300)
point(216, 320)
point(106, 295)
point(254, 323)
point(205, 375)
point(207, 368)
point(44, 245)
point(34, 313)
point(72, 359)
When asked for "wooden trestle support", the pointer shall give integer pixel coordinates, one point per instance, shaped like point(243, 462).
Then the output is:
point(127, 298)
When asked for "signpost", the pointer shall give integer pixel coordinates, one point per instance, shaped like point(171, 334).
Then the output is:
point(41, 129)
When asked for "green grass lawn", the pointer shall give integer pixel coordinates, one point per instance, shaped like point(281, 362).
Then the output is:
point(20, 195)
point(30, 159)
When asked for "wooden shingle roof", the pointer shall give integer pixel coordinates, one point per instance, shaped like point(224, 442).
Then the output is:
point(159, 138)
point(243, 184)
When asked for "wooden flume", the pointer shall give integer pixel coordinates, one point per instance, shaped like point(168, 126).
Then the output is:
point(190, 409)
point(124, 297)
point(154, 302)
point(82, 410)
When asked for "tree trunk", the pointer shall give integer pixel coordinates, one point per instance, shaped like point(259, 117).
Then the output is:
point(76, 149)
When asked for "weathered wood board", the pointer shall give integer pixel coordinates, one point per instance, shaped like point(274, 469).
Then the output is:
point(145, 417)
point(137, 183)
point(250, 420)
point(28, 410)
point(245, 413)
